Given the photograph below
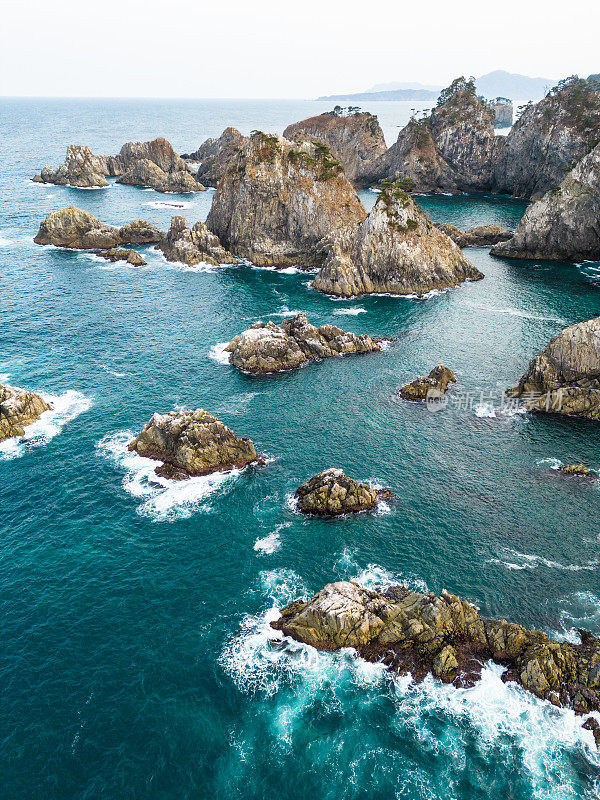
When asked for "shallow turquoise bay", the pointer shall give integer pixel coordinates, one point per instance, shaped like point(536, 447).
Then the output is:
point(136, 659)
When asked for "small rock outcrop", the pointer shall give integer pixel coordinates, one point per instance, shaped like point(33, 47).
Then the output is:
point(548, 139)
point(396, 250)
point(130, 256)
point(193, 246)
point(190, 443)
point(265, 347)
point(156, 165)
point(332, 492)
point(435, 384)
point(356, 141)
point(81, 168)
point(564, 224)
point(18, 408)
point(480, 236)
point(214, 156)
point(421, 633)
point(564, 378)
point(278, 199)
point(578, 469)
point(74, 228)
point(503, 112)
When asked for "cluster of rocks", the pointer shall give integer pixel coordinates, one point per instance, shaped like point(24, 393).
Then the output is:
point(193, 246)
point(480, 236)
point(18, 409)
point(81, 168)
point(426, 386)
point(332, 493)
point(265, 347)
point(421, 633)
point(118, 254)
point(578, 469)
point(77, 229)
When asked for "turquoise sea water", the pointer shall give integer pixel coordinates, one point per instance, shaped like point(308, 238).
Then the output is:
point(136, 659)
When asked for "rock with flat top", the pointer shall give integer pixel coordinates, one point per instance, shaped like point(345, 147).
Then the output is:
point(18, 408)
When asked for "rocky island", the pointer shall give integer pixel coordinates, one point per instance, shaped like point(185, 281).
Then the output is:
point(18, 408)
point(190, 443)
point(81, 168)
point(332, 493)
point(266, 348)
point(77, 229)
point(434, 384)
point(117, 254)
point(193, 246)
point(479, 236)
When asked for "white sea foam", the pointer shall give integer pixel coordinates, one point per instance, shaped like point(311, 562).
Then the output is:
point(551, 463)
point(237, 404)
point(350, 312)
point(4, 242)
point(162, 499)
point(164, 204)
point(272, 542)
point(65, 408)
point(578, 610)
point(218, 353)
point(515, 312)
point(514, 560)
point(491, 411)
point(4, 377)
point(373, 576)
point(286, 312)
point(113, 372)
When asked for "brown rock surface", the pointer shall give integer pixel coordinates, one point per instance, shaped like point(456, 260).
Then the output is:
point(18, 408)
point(332, 493)
point(434, 384)
point(193, 246)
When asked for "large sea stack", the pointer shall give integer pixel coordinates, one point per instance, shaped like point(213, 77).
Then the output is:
point(278, 199)
point(214, 155)
point(81, 168)
point(193, 246)
point(155, 164)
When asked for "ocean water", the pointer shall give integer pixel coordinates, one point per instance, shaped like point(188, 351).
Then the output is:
point(136, 659)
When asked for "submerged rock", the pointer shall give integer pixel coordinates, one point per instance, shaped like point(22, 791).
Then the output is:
point(432, 385)
point(480, 236)
point(564, 224)
point(396, 250)
point(194, 246)
point(130, 256)
point(81, 168)
point(215, 155)
point(266, 347)
point(192, 443)
point(564, 378)
point(421, 633)
point(356, 141)
point(578, 469)
point(332, 492)
point(74, 228)
point(18, 408)
point(277, 200)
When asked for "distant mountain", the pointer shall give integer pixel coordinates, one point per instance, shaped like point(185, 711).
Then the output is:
point(389, 87)
point(394, 94)
point(509, 84)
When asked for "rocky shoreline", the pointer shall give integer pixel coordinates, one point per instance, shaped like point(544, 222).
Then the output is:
point(18, 409)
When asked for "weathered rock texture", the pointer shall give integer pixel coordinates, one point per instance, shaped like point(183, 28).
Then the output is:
point(18, 408)
point(548, 139)
point(215, 155)
point(445, 635)
point(578, 469)
point(155, 164)
point(193, 246)
point(81, 168)
point(265, 348)
point(434, 384)
point(74, 228)
point(451, 150)
point(332, 492)
point(192, 443)
point(130, 256)
point(503, 112)
point(564, 224)
point(395, 250)
point(480, 236)
point(277, 199)
point(356, 141)
point(564, 378)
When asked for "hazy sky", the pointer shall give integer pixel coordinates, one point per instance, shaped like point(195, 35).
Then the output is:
point(259, 48)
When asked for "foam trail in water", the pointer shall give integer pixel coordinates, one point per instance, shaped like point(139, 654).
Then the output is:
point(164, 204)
point(218, 353)
point(350, 312)
point(272, 542)
point(514, 560)
point(552, 463)
point(65, 408)
point(285, 312)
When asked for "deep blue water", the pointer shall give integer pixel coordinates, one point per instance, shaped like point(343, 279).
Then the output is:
point(134, 647)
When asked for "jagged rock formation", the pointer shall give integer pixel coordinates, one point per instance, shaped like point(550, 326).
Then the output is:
point(564, 378)
point(192, 443)
point(451, 150)
point(214, 155)
point(503, 112)
point(480, 236)
point(356, 141)
point(548, 139)
point(18, 408)
point(266, 348)
point(130, 256)
point(396, 250)
point(81, 168)
point(277, 199)
point(578, 469)
point(564, 224)
point(332, 492)
point(74, 228)
point(422, 633)
point(155, 164)
point(434, 384)
point(194, 246)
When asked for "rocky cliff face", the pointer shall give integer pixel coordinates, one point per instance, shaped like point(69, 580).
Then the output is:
point(18, 408)
point(564, 378)
point(155, 164)
point(81, 168)
point(548, 140)
point(192, 443)
point(503, 113)
point(215, 154)
point(356, 141)
point(277, 199)
point(564, 224)
point(396, 250)
point(332, 493)
point(194, 246)
point(451, 150)
point(422, 633)
point(266, 348)
point(74, 228)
